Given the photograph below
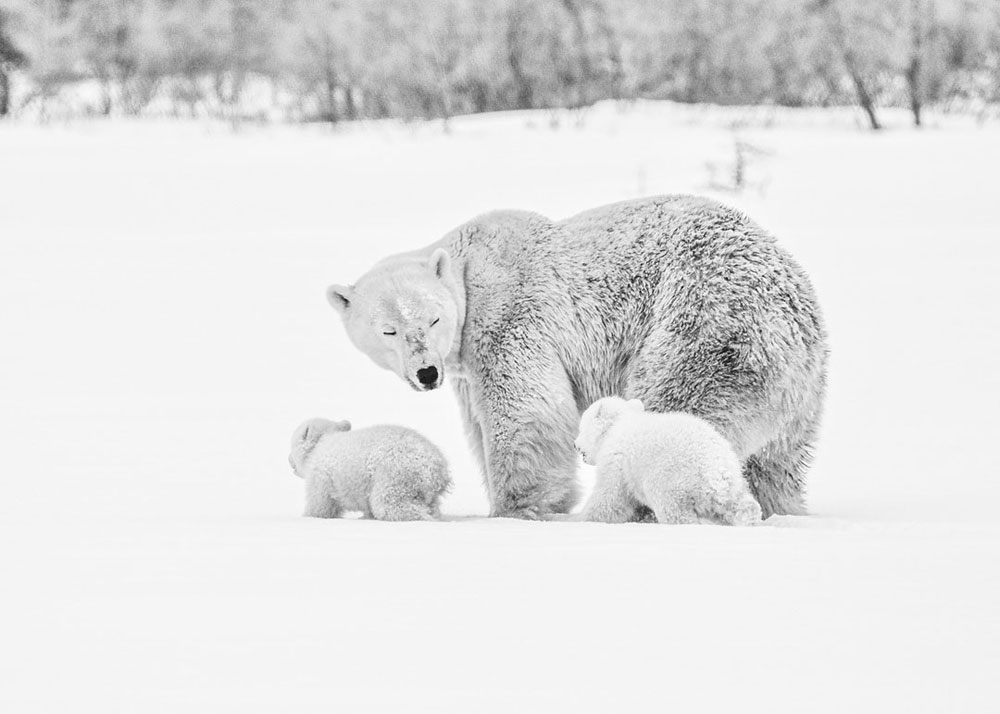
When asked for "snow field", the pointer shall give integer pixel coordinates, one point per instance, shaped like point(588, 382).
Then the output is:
point(164, 329)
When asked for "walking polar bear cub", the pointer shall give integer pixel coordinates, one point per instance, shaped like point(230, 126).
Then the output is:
point(678, 301)
point(386, 472)
point(676, 465)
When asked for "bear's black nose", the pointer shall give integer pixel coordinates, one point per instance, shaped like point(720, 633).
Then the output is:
point(427, 375)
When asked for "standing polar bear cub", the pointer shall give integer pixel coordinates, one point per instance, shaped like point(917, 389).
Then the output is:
point(389, 473)
point(674, 464)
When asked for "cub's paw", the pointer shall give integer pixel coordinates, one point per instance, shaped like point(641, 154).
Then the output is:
point(747, 513)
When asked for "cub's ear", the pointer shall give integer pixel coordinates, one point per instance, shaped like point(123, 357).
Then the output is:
point(340, 296)
point(635, 405)
point(604, 408)
point(440, 263)
point(309, 436)
point(344, 425)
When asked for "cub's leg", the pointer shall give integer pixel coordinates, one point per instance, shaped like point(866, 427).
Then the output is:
point(675, 510)
point(741, 510)
point(320, 499)
point(404, 512)
point(398, 497)
point(612, 500)
point(731, 504)
point(669, 505)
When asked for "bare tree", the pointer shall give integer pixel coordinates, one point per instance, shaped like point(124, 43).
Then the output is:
point(856, 39)
point(338, 60)
point(921, 17)
point(245, 50)
point(315, 54)
point(104, 31)
point(516, 46)
point(10, 57)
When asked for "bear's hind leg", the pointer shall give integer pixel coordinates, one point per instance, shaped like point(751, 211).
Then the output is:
point(776, 477)
point(776, 473)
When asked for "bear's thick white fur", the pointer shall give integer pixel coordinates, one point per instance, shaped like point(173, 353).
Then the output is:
point(676, 465)
point(389, 473)
point(679, 301)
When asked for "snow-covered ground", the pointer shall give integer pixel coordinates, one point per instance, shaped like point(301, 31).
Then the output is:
point(163, 329)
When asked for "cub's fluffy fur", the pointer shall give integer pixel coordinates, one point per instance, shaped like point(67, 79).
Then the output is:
point(675, 464)
point(386, 472)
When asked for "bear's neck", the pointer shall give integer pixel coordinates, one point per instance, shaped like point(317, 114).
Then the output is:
point(456, 286)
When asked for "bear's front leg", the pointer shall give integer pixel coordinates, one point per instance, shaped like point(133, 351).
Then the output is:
point(529, 420)
point(320, 499)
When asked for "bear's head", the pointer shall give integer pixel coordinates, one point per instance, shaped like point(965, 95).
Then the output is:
point(403, 314)
point(305, 438)
point(597, 420)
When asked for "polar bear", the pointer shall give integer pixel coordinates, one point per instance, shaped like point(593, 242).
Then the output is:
point(678, 301)
point(389, 473)
point(676, 465)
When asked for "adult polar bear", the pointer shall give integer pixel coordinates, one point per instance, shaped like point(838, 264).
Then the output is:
point(675, 300)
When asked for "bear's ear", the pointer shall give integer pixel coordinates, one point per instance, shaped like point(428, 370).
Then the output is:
point(635, 405)
point(440, 263)
point(340, 296)
point(344, 425)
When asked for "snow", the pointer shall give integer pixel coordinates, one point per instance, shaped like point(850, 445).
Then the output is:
point(164, 329)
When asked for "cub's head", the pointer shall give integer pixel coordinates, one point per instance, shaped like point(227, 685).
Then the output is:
point(307, 436)
point(403, 315)
point(597, 420)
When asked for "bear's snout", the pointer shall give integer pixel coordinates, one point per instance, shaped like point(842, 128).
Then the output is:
point(428, 377)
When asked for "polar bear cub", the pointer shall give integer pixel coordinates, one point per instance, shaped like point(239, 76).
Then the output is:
point(675, 464)
point(386, 472)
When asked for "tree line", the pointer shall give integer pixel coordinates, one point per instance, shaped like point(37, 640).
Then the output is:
point(340, 60)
